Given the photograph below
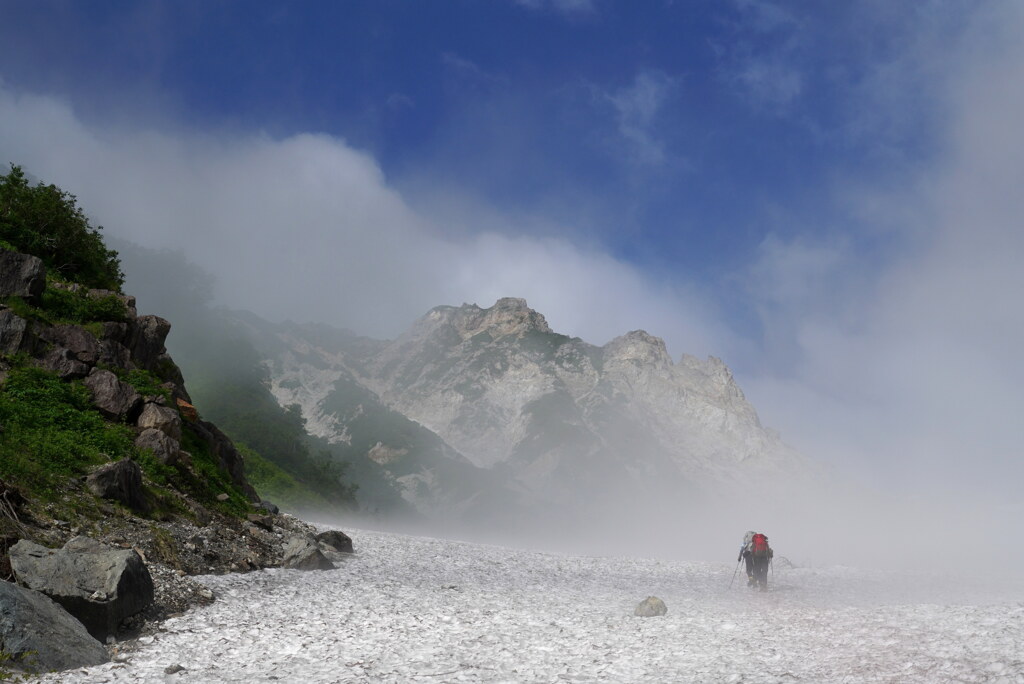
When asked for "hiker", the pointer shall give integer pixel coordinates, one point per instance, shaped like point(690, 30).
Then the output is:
point(758, 555)
point(745, 555)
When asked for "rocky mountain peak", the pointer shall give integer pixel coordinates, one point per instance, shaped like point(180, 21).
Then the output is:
point(509, 316)
point(639, 346)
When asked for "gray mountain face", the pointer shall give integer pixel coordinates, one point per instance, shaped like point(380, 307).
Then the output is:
point(492, 404)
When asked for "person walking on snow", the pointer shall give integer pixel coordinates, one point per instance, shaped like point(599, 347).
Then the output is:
point(758, 554)
point(745, 555)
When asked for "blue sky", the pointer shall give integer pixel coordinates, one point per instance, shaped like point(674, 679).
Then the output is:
point(822, 194)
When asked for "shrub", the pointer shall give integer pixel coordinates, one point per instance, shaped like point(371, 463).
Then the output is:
point(45, 221)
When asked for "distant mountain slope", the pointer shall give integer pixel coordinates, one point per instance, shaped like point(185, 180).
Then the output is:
point(493, 398)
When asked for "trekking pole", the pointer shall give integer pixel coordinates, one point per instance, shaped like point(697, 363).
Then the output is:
point(734, 573)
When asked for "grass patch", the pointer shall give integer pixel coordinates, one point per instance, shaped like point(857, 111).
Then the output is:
point(51, 432)
point(271, 482)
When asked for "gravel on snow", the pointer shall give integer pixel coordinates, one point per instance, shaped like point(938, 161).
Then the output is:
point(415, 609)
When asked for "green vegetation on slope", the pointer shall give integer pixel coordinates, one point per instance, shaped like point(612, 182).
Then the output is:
point(229, 386)
point(46, 222)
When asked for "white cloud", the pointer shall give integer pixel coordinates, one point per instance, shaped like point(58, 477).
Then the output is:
point(916, 371)
point(637, 108)
point(308, 228)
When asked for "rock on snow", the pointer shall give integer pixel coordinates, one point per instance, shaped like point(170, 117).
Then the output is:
point(408, 609)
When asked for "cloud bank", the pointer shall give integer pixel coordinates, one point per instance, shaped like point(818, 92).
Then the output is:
point(308, 228)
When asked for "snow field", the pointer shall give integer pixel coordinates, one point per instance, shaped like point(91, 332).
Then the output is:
point(413, 609)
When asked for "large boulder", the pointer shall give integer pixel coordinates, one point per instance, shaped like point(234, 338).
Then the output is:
point(115, 399)
point(166, 449)
point(147, 344)
point(22, 275)
point(99, 585)
point(120, 481)
point(651, 606)
point(161, 418)
point(41, 636)
point(338, 541)
point(303, 553)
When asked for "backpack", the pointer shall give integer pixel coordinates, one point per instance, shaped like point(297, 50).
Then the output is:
point(759, 546)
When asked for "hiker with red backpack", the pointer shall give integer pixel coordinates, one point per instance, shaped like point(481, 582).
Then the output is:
point(758, 554)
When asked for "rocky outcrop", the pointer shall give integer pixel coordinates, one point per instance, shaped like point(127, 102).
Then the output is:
point(40, 635)
point(122, 482)
point(103, 355)
point(22, 275)
point(100, 586)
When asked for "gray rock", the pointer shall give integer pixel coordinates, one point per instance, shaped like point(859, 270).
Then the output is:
point(303, 553)
point(15, 334)
point(651, 606)
point(115, 399)
point(268, 507)
point(40, 634)
point(161, 418)
point(147, 343)
point(22, 275)
point(339, 541)
point(264, 521)
point(98, 585)
point(78, 341)
point(166, 449)
point(62, 362)
point(121, 481)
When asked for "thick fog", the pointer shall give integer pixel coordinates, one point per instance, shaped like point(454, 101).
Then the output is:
point(900, 372)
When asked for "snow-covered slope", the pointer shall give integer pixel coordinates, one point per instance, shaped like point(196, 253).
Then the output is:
point(407, 609)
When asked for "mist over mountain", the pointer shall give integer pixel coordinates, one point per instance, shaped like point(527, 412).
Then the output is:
point(490, 412)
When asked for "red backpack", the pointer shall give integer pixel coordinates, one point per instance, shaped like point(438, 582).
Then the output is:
point(759, 546)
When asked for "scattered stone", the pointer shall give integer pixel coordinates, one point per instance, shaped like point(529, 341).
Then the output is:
point(166, 449)
point(120, 481)
point(173, 669)
point(115, 399)
point(98, 585)
point(22, 275)
point(302, 553)
point(161, 418)
point(264, 521)
point(42, 636)
point(338, 541)
point(222, 497)
point(651, 606)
